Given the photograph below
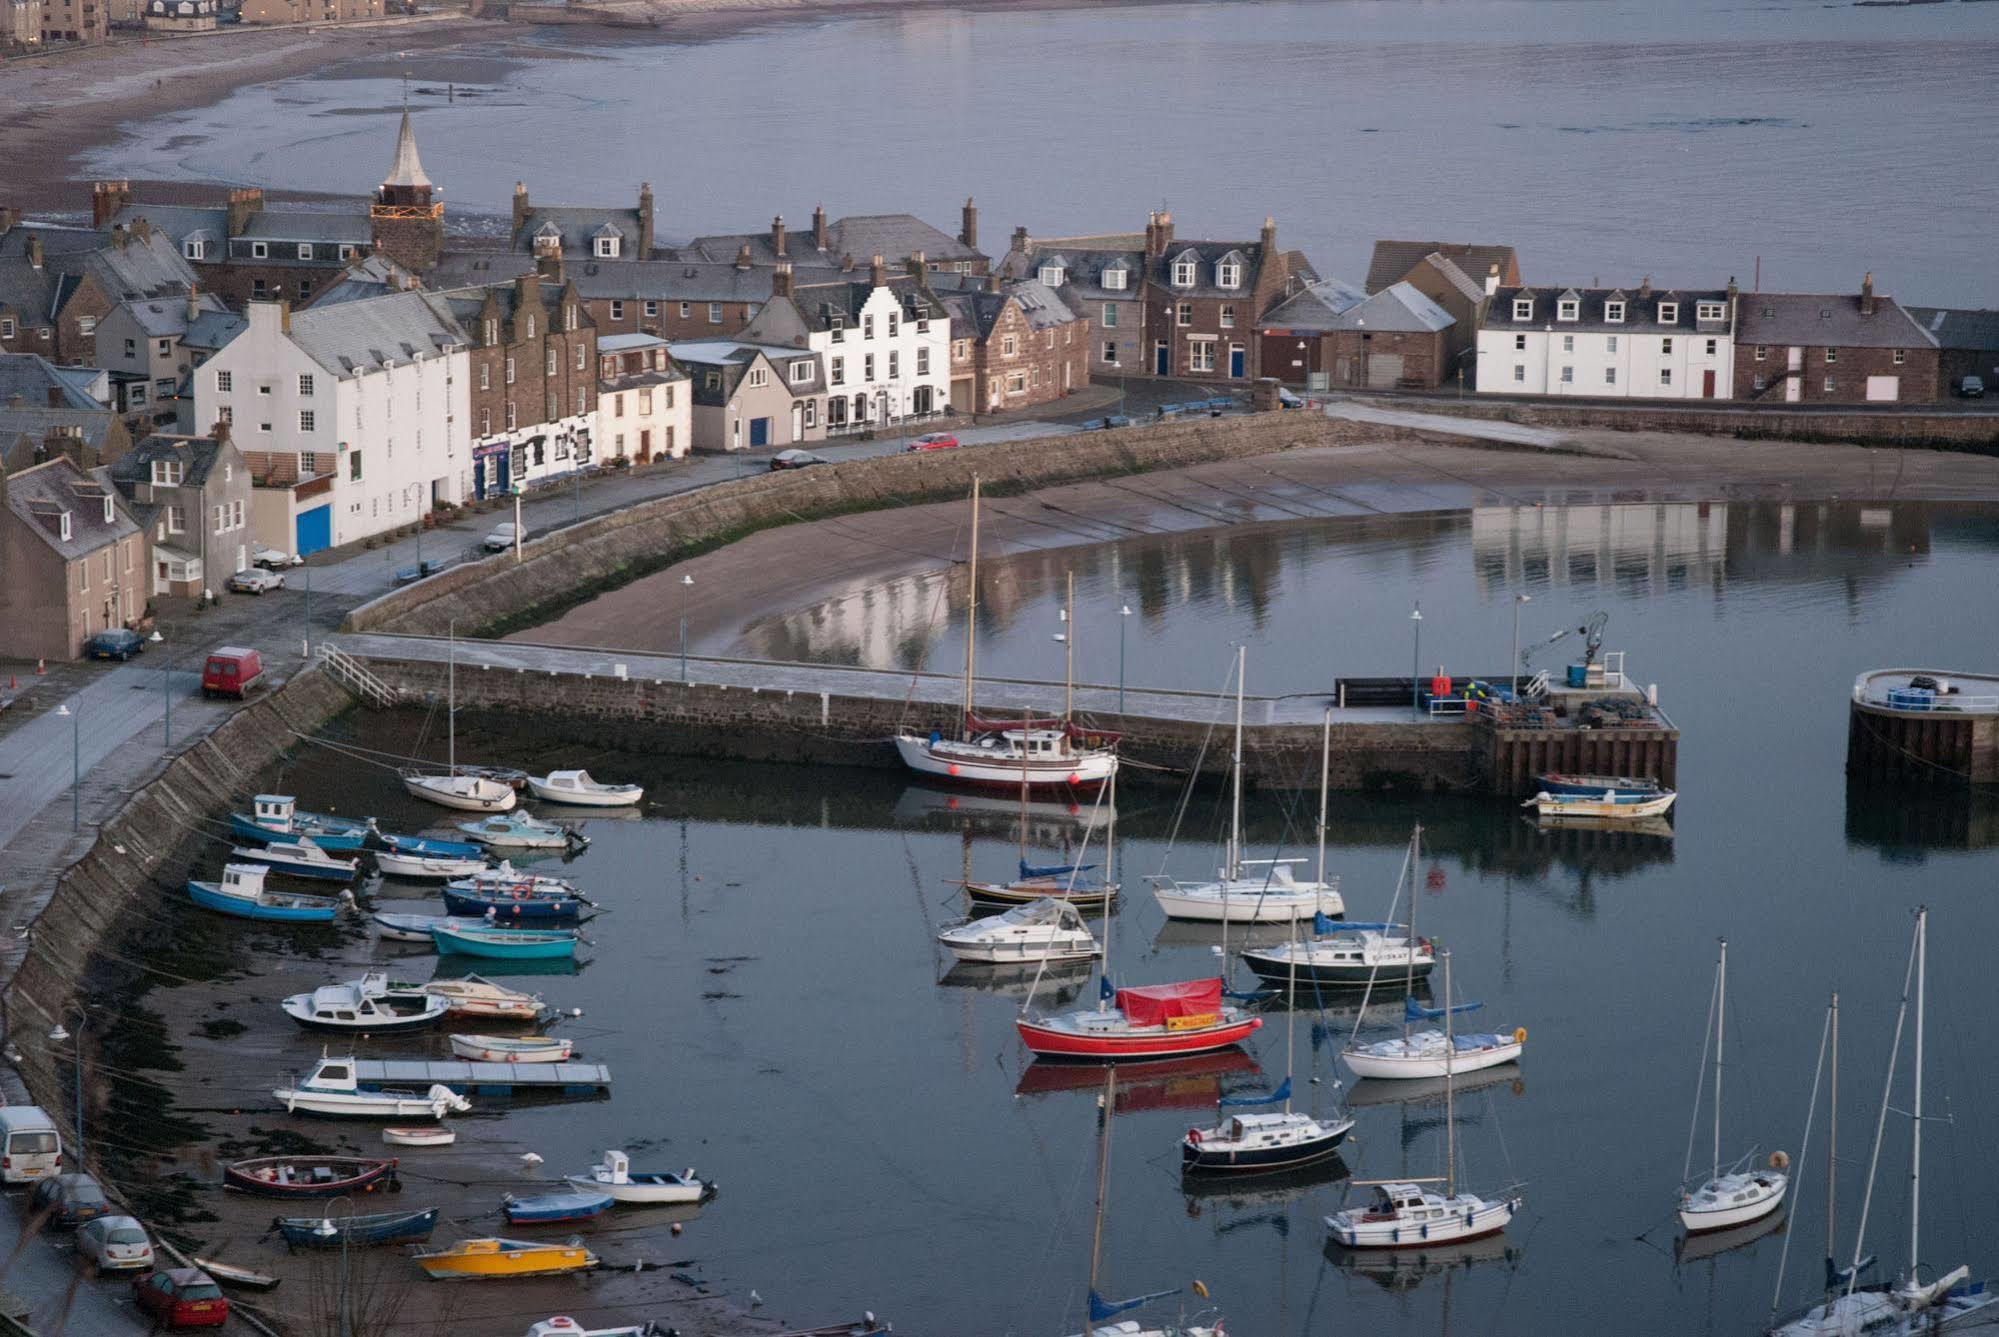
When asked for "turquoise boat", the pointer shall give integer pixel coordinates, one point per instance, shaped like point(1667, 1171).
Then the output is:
point(276, 817)
point(504, 944)
point(241, 893)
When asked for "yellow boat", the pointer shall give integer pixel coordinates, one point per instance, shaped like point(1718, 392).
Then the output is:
point(482, 1258)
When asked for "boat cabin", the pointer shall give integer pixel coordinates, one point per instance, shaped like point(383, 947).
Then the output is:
point(243, 879)
point(1407, 1202)
point(275, 811)
point(1261, 1130)
point(332, 1074)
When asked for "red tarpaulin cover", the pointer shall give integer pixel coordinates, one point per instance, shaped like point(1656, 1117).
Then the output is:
point(1152, 1004)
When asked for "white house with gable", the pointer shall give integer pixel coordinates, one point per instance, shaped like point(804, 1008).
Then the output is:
point(1615, 343)
point(373, 391)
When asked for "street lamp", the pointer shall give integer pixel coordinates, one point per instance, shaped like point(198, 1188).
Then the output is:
point(57, 1035)
point(1518, 599)
point(686, 582)
point(1416, 660)
point(308, 611)
point(323, 1230)
point(166, 691)
point(1123, 621)
point(75, 762)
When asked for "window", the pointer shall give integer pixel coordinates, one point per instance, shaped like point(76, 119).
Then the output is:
point(485, 422)
point(167, 473)
point(1183, 273)
point(308, 464)
point(510, 371)
point(554, 410)
point(1110, 315)
point(136, 395)
point(257, 293)
point(868, 367)
point(867, 327)
point(1009, 345)
point(513, 416)
point(1758, 383)
point(1523, 308)
point(617, 311)
point(839, 371)
point(1110, 351)
point(1613, 312)
point(492, 332)
point(685, 309)
point(549, 362)
point(305, 250)
point(8, 329)
point(1762, 352)
point(305, 385)
point(1183, 314)
point(1228, 274)
point(1201, 355)
point(651, 308)
point(1665, 375)
point(1568, 343)
point(607, 248)
point(1567, 309)
point(194, 249)
point(259, 251)
point(1016, 383)
point(1610, 343)
point(894, 364)
point(1669, 313)
point(86, 324)
point(353, 466)
point(1666, 347)
point(1713, 347)
point(581, 402)
point(1228, 317)
point(891, 324)
point(1519, 372)
point(759, 377)
point(1832, 355)
point(923, 362)
point(1710, 311)
point(1568, 375)
point(306, 421)
point(1114, 280)
point(811, 420)
point(485, 376)
point(227, 414)
point(1519, 343)
point(346, 251)
point(1900, 356)
point(176, 520)
point(531, 329)
point(714, 313)
point(1610, 376)
point(801, 372)
point(1831, 385)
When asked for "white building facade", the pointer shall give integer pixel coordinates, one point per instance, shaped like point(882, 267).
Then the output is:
point(374, 391)
point(1610, 343)
point(645, 403)
point(884, 351)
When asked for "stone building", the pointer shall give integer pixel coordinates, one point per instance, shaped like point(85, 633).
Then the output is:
point(181, 15)
point(1617, 343)
point(191, 494)
point(406, 220)
point(845, 243)
point(1395, 261)
point(644, 400)
point(1203, 300)
point(1330, 336)
point(75, 20)
point(1833, 348)
point(143, 345)
point(1967, 345)
point(46, 411)
point(72, 560)
point(1013, 344)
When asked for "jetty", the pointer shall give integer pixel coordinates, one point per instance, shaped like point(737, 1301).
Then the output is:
point(1387, 733)
point(483, 1079)
point(1908, 726)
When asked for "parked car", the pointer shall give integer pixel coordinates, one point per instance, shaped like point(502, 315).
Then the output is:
point(114, 1244)
point(118, 643)
point(186, 1297)
point(70, 1200)
point(502, 537)
point(430, 566)
point(231, 670)
point(273, 558)
point(934, 441)
point(256, 580)
point(796, 459)
point(1972, 387)
point(30, 1146)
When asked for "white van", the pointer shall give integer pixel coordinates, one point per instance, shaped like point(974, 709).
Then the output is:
point(30, 1146)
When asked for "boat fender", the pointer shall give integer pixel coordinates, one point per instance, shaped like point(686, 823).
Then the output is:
point(1074, 778)
point(952, 769)
point(1194, 1136)
point(1779, 1160)
point(1520, 1035)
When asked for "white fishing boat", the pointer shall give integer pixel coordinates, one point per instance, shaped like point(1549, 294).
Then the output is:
point(468, 790)
point(616, 1177)
point(513, 1049)
point(503, 877)
point(1910, 1307)
point(436, 1136)
point(1041, 754)
point(368, 1004)
point(476, 996)
point(1741, 1195)
point(1239, 895)
point(1404, 1214)
point(1047, 930)
point(397, 927)
point(1344, 954)
point(578, 789)
point(298, 858)
point(1599, 808)
point(519, 831)
point(331, 1089)
point(428, 867)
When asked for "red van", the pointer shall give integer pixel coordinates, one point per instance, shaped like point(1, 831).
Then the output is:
point(231, 670)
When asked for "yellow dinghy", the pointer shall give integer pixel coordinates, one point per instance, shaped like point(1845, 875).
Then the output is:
point(486, 1258)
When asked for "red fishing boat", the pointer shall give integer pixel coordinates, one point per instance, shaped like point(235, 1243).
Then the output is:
point(1152, 1021)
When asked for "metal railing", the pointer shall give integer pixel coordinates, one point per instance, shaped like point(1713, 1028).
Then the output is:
point(356, 676)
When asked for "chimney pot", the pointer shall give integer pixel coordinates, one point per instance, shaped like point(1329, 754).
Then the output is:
point(877, 272)
point(55, 396)
point(780, 279)
point(968, 231)
point(820, 240)
point(992, 283)
point(777, 235)
point(1020, 240)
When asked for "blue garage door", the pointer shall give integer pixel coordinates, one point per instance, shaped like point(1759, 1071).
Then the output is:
point(315, 529)
point(760, 431)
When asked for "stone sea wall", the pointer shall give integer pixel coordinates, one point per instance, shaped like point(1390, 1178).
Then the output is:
point(1975, 432)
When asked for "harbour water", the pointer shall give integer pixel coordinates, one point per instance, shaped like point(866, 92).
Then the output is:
point(1606, 139)
point(765, 987)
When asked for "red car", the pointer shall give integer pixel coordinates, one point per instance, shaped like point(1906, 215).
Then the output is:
point(935, 441)
point(186, 1297)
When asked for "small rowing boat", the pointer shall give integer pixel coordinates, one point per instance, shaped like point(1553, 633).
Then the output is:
point(475, 996)
point(1604, 806)
point(505, 944)
point(334, 1231)
point(439, 1136)
point(397, 927)
point(513, 1049)
point(238, 1278)
point(550, 1208)
point(578, 789)
point(309, 1176)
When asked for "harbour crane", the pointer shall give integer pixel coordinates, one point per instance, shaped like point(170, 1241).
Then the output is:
point(1591, 632)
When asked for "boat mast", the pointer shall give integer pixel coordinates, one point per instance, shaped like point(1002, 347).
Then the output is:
point(451, 695)
point(1325, 775)
point(1235, 802)
point(971, 609)
point(1450, 1092)
point(1069, 646)
point(1409, 955)
point(1720, 1012)
point(1916, 1110)
point(1025, 717)
point(1103, 1178)
point(1291, 1019)
point(1832, 1153)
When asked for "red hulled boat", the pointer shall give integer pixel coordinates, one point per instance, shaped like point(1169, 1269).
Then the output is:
point(1154, 1021)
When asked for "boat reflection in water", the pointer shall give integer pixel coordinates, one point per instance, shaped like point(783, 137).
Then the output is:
point(1640, 828)
point(1190, 1082)
point(1049, 820)
point(1208, 1192)
point(1708, 1243)
point(1430, 1090)
point(1061, 981)
point(1406, 1269)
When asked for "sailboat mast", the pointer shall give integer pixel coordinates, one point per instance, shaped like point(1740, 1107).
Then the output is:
point(1409, 980)
point(1832, 1151)
point(1720, 1012)
point(1103, 1178)
point(451, 696)
point(1069, 646)
point(1235, 801)
point(1325, 778)
point(1450, 1092)
point(1916, 1109)
point(971, 609)
point(1291, 1020)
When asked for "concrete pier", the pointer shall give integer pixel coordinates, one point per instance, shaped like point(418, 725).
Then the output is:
point(1923, 727)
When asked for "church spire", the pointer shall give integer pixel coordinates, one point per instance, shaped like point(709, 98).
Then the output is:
point(408, 168)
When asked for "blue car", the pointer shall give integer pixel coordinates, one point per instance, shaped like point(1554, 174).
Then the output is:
point(119, 643)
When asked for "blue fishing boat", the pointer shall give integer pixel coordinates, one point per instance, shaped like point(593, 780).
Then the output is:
point(1612, 788)
point(297, 858)
point(505, 944)
point(507, 907)
point(276, 817)
point(427, 846)
point(549, 1208)
point(334, 1231)
point(241, 893)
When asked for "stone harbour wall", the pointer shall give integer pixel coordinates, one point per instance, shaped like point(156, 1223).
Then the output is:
point(1975, 432)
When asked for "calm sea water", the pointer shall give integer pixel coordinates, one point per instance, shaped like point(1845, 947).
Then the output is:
point(1606, 139)
point(766, 987)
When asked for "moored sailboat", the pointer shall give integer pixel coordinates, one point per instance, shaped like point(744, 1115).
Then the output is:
point(1741, 1195)
point(467, 791)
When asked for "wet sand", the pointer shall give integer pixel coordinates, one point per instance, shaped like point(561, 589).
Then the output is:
point(777, 572)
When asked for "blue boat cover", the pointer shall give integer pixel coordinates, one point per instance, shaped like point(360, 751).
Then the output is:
point(1052, 870)
point(1105, 989)
point(1281, 1094)
point(1415, 1011)
point(1101, 1309)
point(1322, 926)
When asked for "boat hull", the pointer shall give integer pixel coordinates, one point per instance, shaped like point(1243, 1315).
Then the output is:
point(523, 1261)
point(340, 838)
point(509, 909)
point(649, 1193)
point(1083, 771)
point(1696, 1220)
point(466, 793)
point(620, 796)
point(366, 1177)
point(274, 907)
point(1405, 1067)
point(550, 1209)
point(335, 871)
point(492, 1049)
point(1047, 1041)
point(358, 1105)
point(1017, 953)
point(419, 1137)
point(475, 943)
point(427, 867)
point(1618, 786)
point(310, 1232)
point(1279, 971)
point(1083, 895)
point(1558, 808)
point(1207, 1158)
point(1352, 1231)
point(1248, 907)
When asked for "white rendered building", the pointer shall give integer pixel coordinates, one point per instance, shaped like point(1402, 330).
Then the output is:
point(1610, 343)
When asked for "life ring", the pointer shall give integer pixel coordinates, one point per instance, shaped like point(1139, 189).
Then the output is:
point(1520, 1035)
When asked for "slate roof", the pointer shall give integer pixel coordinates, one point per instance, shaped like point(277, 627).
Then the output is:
point(197, 456)
point(1471, 289)
point(24, 428)
point(367, 276)
point(178, 221)
point(1827, 319)
point(1641, 313)
point(30, 376)
point(352, 337)
point(313, 225)
point(973, 310)
point(1083, 268)
point(1207, 255)
point(1317, 306)
point(1392, 260)
point(28, 291)
point(1958, 329)
point(575, 225)
point(39, 494)
point(819, 304)
point(894, 237)
point(732, 360)
point(1396, 309)
point(212, 329)
point(148, 266)
point(626, 343)
point(627, 280)
point(166, 317)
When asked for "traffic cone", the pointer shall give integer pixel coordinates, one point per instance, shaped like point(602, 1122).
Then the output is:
point(41, 667)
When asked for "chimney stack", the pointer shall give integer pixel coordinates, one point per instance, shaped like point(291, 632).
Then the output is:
point(913, 265)
point(780, 279)
point(777, 235)
point(521, 208)
point(1269, 236)
point(548, 257)
point(242, 203)
point(968, 230)
point(34, 250)
point(1645, 288)
point(819, 238)
point(743, 256)
point(142, 228)
point(55, 396)
point(992, 283)
point(645, 220)
point(284, 315)
point(107, 200)
point(193, 302)
point(1165, 231)
point(877, 273)
point(1492, 278)
point(10, 217)
point(1020, 240)
point(1867, 294)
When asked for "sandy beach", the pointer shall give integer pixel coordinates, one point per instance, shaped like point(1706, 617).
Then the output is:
point(770, 575)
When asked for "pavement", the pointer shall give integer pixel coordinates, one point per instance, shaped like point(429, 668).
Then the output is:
point(62, 1298)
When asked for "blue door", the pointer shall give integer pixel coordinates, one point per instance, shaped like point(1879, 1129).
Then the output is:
point(760, 431)
point(315, 529)
point(1160, 355)
point(1235, 360)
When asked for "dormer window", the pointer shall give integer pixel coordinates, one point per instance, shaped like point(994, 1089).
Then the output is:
point(1613, 312)
point(259, 251)
point(194, 248)
point(1114, 280)
point(1567, 309)
point(107, 511)
point(1711, 311)
point(62, 525)
point(166, 473)
point(607, 248)
point(1669, 313)
point(1523, 308)
point(1052, 275)
point(305, 250)
point(1183, 273)
point(1228, 274)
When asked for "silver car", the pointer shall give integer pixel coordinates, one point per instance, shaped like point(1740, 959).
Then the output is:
point(255, 580)
point(114, 1244)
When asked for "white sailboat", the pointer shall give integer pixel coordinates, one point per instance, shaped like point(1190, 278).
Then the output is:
point(1038, 753)
point(1739, 1196)
point(1237, 895)
point(1911, 1306)
point(466, 792)
point(1043, 930)
point(1404, 1214)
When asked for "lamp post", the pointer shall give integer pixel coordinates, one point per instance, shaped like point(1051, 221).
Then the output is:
point(166, 692)
point(75, 762)
point(686, 582)
point(577, 518)
point(1123, 621)
point(1416, 660)
point(325, 1228)
point(517, 524)
point(57, 1035)
point(308, 612)
point(1518, 599)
